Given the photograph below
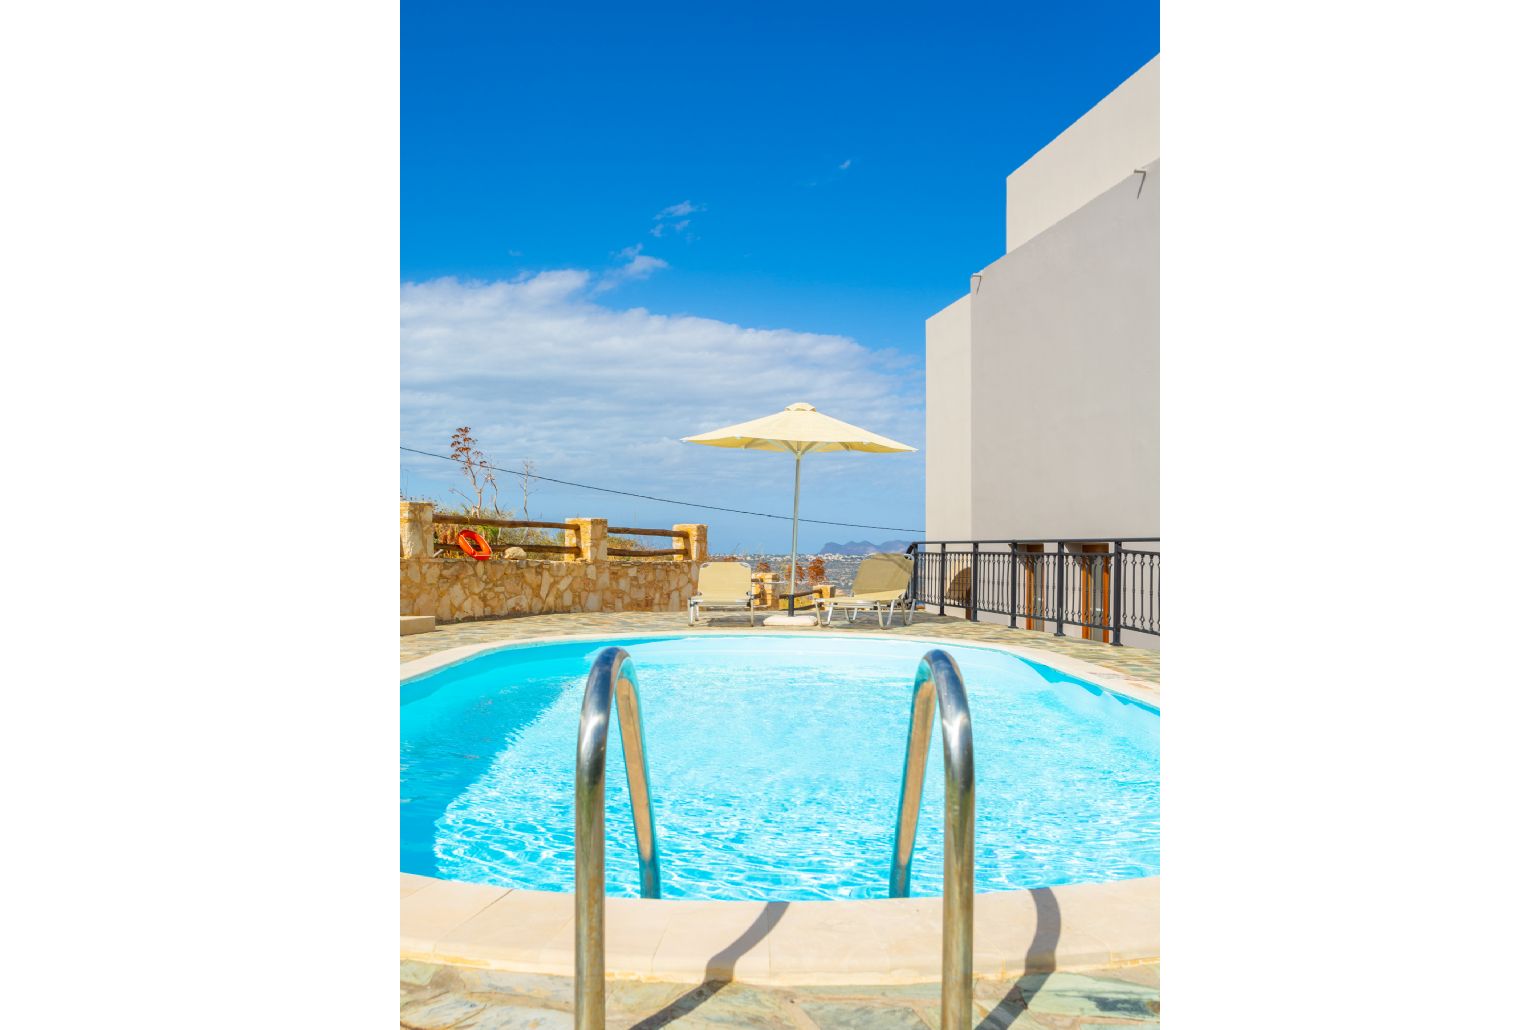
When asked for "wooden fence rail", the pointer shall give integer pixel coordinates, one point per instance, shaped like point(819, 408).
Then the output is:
point(476, 520)
point(588, 536)
point(633, 531)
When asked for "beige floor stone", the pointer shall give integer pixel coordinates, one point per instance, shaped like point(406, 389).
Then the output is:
point(508, 930)
point(433, 912)
point(411, 624)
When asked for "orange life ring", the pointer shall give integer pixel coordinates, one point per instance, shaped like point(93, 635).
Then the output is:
point(473, 544)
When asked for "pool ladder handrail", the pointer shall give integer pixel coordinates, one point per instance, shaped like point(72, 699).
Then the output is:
point(939, 685)
point(611, 677)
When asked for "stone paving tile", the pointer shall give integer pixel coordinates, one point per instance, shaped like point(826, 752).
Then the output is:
point(715, 1004)
point(857, 1016)
point(1134, 662)
point(439, 1013)
point(541, 989)
point(469, 999)
point(1074, 994)
point(417, 973)
point(517, 1017)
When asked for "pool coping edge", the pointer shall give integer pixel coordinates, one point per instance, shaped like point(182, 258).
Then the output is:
point(1097, 675)
point(1076, 927)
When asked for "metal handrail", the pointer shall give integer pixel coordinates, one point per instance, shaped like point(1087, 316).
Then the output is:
point(939, 685)
point(1046, 540)
point(612, 676)
point(1115, 591)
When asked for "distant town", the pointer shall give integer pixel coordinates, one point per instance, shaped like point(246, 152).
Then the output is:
point(839, 561)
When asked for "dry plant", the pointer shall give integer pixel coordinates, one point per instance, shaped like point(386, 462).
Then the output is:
point(525, 487)
point(482, 480)
point(462, 448)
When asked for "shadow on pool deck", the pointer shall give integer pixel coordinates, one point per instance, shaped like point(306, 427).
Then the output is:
point(1039, 962)
point(722, 963)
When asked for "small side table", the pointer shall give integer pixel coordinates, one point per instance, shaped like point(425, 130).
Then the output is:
point(791, 618)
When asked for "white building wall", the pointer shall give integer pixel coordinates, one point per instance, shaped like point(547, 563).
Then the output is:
point(1043, 384)
point(948, 423)
point(1118, 135)
point(1065, 388)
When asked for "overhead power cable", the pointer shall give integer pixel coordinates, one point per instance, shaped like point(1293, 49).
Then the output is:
point(663, 500)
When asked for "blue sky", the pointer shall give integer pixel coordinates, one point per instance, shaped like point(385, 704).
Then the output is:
point(637, 222)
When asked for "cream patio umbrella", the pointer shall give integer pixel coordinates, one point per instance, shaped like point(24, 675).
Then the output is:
point(800, 429)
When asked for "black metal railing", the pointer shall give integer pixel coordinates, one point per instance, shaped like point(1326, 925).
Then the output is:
point(1102, 585)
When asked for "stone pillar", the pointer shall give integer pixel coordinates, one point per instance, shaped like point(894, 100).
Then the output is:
point(694, 544)
point(417, 529)
point(590, 537)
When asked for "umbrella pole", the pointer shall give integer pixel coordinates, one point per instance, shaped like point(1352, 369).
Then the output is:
point(796, 499)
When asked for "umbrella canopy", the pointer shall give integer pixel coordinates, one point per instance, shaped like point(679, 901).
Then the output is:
point(800, 429)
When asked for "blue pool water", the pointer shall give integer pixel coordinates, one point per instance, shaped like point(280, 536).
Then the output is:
point(775, 766)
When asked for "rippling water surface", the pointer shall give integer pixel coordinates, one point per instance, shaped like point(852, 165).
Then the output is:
point(775, 767)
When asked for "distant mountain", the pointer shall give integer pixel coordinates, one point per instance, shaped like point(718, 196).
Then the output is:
point(859, 547)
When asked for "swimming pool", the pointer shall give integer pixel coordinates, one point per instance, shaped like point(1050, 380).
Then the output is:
point(775, 763)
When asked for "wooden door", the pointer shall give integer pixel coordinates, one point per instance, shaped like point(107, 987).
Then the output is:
point(1095, 592)
point(1035, 577)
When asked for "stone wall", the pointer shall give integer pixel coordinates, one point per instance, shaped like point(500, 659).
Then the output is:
point(587, 580)
point(453, 589)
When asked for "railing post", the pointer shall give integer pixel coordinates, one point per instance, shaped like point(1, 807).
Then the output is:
point(973, 585)
point(1059, 588)
point(695, 542)
point(590, 537)
point(1014, 574)
point(417, 529)
point(941, 601)
point(1117, 593)
point(914, 552)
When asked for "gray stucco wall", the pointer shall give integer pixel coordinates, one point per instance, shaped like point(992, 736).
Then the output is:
point(1065, 372)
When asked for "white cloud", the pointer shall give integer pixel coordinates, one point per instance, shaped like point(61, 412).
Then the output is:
point(673, 218)
point(637, 266)
point(678, 210)
point(663, 227)
point(602, 395)
point(824, 180)
point(643, 265)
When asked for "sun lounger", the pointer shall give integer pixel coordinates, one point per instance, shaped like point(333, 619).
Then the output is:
point(724, 585)
point(882, 585)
